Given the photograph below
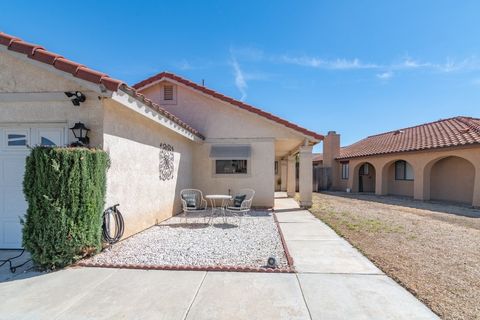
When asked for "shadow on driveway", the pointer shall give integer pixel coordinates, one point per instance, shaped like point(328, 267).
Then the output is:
point(15, 265)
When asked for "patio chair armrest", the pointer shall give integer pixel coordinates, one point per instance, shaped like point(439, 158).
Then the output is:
point(204, 203)
point(184, 204)
point(246, 204)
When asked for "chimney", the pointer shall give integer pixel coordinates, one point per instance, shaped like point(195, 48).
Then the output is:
point(331, 148)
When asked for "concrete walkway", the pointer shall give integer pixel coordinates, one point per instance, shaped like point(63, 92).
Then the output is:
point(334, 282)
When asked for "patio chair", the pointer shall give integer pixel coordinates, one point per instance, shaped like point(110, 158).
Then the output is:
point(241, 203)
point(193, 202)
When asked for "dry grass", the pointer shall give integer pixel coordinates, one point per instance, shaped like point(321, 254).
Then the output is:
point(432, 249)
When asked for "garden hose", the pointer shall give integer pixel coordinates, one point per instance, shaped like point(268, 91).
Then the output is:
point(13, 268)
point(108, 215)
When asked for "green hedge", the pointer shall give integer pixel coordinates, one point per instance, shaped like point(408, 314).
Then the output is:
point(65, 191)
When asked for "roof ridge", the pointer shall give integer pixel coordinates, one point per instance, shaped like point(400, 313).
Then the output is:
point(469, 124)
point(238, 103)
point(419, 125)
point(77, 70)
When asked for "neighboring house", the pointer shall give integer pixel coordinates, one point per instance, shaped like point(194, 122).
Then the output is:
point(162, 135)
point(438, 160)
point(317, 159)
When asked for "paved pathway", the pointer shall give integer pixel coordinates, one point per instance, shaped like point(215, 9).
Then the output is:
point(334, 281)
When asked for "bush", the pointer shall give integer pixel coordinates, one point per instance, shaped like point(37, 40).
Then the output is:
point(65, 191)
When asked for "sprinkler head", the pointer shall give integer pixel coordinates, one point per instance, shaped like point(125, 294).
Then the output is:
point(271, 262)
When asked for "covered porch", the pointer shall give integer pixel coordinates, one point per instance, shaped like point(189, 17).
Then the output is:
point(293, 164)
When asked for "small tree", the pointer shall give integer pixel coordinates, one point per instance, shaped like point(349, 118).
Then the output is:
point(65, 191)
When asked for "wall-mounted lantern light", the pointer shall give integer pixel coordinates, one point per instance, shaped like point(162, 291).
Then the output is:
point(76, 97)
point(81, 134)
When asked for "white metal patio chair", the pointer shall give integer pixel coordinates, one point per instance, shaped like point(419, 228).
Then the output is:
point(193, 202)
point(241, 203)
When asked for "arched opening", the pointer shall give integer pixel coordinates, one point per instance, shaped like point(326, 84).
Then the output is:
point(452, 179)
point(366, 178)
point(398, 178)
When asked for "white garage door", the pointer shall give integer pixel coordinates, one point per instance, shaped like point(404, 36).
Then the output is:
point(13, 151)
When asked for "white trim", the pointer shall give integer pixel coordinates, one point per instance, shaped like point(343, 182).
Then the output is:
point(141, 108)
point(232, 105)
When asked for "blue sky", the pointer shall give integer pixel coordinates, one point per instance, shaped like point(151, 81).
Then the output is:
point(357, 67)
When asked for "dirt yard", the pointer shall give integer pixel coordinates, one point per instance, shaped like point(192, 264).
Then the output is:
point(432, 249)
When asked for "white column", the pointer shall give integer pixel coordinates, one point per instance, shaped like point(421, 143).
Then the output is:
point(291, 176)
point(283, 175)
point(305, 176)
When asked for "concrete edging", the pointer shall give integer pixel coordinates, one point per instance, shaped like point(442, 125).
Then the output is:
point(284, 243)
point(186, 268)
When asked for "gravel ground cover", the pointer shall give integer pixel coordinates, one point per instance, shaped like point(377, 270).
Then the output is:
point(432, 249)
point(197, 243)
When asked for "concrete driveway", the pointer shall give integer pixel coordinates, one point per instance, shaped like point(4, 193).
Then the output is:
point(334, 281)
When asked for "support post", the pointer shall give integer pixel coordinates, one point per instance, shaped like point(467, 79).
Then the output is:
point(306, 176)
point(291, 176)
point(283, 175)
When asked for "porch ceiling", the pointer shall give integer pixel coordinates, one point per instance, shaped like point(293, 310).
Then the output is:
point(284, 146)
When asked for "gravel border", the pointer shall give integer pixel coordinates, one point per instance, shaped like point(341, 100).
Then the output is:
point(174, 244)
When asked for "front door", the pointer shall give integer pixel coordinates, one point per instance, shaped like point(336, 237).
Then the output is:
point(14, 142)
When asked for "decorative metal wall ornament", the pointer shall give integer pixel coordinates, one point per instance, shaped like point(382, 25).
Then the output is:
point(166, 165)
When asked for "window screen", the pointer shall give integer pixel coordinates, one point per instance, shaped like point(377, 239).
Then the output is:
point(403, 170)
point(230, 166)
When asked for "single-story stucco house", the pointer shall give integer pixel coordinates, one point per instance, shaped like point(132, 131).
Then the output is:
point(438, 160)
point(163, 134)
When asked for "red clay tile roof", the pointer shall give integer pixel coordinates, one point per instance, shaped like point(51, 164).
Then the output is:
point(232, 101)
point(317, 157)
point(457, 131)
point(38, 53)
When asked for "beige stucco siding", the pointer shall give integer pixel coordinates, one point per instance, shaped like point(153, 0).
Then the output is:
point(398, 187)
point(222, 123)
point(23, 77)
point(260, 174)
point(452, 179)
point(434, 178)
point(133, 143)
point(218, 119)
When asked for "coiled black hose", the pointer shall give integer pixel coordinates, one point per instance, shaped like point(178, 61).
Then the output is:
point(108, 214)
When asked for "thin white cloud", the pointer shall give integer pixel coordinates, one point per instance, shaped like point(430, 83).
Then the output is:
point(248, 53)
point(385, 75)
point(336, 64)
point(184, 65)
point(240, 81)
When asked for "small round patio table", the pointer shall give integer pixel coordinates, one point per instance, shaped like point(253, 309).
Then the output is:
point(223, 198)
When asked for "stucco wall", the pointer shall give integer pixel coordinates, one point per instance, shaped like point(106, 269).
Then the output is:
point(452, 179)
point(222, 123)
point(259, 177)
point(423, 162)
point(216, 119)
point(398, 187)
point(20, 76)
point(132, 142)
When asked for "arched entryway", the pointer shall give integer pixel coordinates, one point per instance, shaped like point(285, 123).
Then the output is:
point(366, 177)
point(398, 177)
point(452, 179)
